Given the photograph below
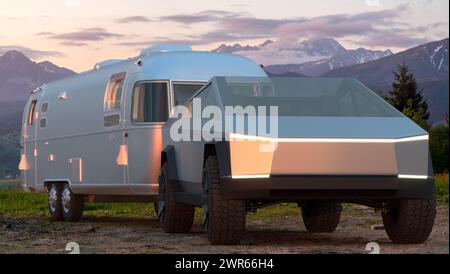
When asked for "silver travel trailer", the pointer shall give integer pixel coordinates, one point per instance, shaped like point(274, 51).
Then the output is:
point(97, 136)
point(336, 142)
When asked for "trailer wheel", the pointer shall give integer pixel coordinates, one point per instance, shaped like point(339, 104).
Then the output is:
point(321, 216)
point(410, 221)
point(72, 204)
point(173, 217)
point(224, 220)
point(54, 201)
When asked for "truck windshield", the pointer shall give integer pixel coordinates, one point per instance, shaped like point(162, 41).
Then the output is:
point(305, 96)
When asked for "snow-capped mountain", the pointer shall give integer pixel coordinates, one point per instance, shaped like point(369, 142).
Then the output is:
point(320, 47)
point(237, 47)
point(19, 75)
point(428, 63)
point(310, 57)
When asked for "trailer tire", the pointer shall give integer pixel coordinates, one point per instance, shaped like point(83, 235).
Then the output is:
point(410, 221)
point(321, 216)
point(224, 220)
point(54, 201)
point(173, 217)
point(72, 204)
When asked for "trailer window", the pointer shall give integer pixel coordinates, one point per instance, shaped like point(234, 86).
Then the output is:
point(150, 103)
point(31, 113)
point(113, 95)
point(44, 107)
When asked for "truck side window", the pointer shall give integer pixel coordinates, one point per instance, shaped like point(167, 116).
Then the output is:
point(113, 93)
point(150, 103)
point(207, 96)
point(182, 92)
point(31, 113)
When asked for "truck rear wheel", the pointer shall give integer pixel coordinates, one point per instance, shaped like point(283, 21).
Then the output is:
point(321, 216)
point(54, 201)
point(72, 204)
point(173, 217)
point(224, 220)
point(410, 221)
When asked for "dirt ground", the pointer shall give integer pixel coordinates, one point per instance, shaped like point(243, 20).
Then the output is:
point(284, 235)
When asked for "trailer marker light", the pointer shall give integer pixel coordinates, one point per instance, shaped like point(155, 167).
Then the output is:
point(407, 176)
point(262, 176)
point(122, 158)
point(23, 165)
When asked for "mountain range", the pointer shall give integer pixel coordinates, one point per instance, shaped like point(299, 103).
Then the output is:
point(429, 64)
point(319, 55)
point(19, 75)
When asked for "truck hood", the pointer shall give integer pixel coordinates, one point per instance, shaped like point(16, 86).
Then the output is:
point(347, 127)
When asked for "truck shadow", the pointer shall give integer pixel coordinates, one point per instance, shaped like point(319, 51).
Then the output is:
point(299, 238)
point(252, 236)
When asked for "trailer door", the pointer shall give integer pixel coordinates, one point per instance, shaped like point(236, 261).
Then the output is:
point(29, 150)
point(149, 112)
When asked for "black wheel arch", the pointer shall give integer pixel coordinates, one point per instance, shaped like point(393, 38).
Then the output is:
point(168, 156)
point(222, 152)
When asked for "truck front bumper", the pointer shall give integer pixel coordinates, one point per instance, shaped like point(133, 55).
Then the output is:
point(312, 187)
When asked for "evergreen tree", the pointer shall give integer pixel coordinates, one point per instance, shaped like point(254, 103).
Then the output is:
point(407, 98)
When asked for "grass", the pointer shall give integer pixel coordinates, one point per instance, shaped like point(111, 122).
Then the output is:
point(15, 203)
point(442, 188)
point(9, 184)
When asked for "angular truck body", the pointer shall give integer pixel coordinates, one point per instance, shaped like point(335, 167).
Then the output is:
point(335, 141)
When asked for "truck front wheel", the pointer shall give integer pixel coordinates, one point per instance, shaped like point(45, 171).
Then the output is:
point(173, 217)
point(321, 216)
point(224, 220)
point(410, 221)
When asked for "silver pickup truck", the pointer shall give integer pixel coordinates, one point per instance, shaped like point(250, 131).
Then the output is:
point(335, 141)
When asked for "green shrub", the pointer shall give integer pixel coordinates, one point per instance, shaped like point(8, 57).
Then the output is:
point(439, 148)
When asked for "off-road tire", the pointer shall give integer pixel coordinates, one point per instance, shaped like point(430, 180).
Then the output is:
point(72, 210)
point(174, 217)
point(54, 201)
point(321, 216)
point(410, 221)
point(226, 218)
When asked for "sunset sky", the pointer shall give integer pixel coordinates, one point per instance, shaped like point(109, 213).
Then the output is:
point(78, 33)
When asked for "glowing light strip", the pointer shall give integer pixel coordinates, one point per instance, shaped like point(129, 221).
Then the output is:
point(407, 176)
point(263, 176)
point(234, 136)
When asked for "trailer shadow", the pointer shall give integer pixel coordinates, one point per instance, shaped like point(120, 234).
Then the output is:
point(110, 220)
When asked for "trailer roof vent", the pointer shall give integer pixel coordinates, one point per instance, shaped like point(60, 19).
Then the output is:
point(165, 48)
point(106, 63)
